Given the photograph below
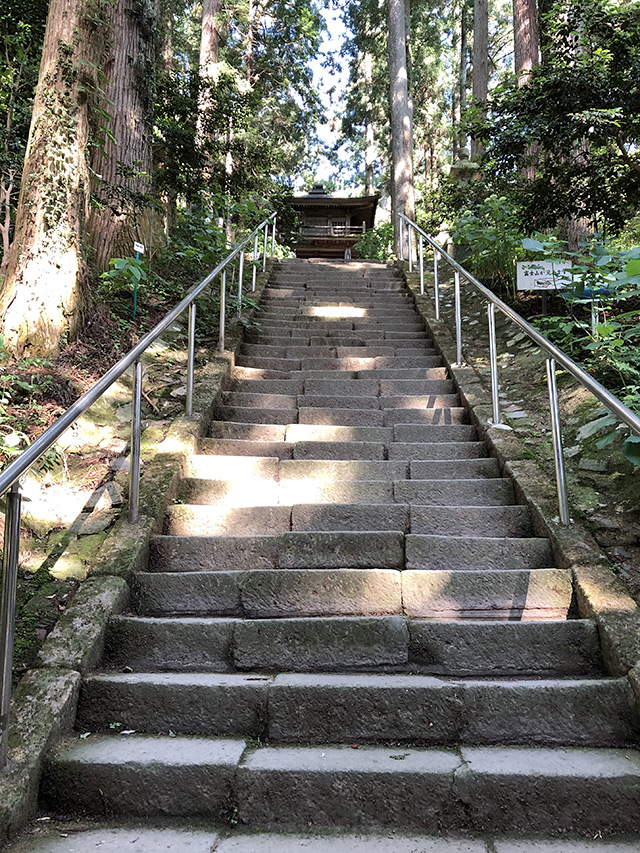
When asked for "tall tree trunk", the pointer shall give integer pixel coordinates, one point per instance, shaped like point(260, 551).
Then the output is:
point(403, 200)
point(526, 39)
point(209, 72)
point(43, 293)
point(370, 147)
point(462, 73)
point(123, 165)
point(480, 60)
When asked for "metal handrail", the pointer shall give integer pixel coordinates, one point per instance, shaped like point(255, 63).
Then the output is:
point(555, 356)
point(10, 477)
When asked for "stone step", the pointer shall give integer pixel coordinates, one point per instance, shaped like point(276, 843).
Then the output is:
point(357, 364)
point(252, 415)
point(433, 432)
point(448, 414)
point(270, 594)
point(254, 491)
point(480, 493)
point(423, 551)
point(258, 373)
point(364, 709)
point(295, 550)
point(245, 447)
point(471, 520)
point(454, 469)
point(287, 387)
point(432, 401)
point(354, 643)
point(143, 776)
point(536, 595)
point(341, 469)
point(249, 432)
point(442, 450)
point(522, 595)
point(485, 789)
point(313, 432)
point(337, 416)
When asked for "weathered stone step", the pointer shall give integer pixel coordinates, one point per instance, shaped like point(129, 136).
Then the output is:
point(143, 776)
point(298, 432)
point(437, 450)
point(305, 364)
point(253, 415)
point(385, 350)
point(270, 594)
point(295, 550)
point(342, 470)
point(433, 432)
point(536, 595)
point(480, 493)
point(462, 553)
point(199, 520)
point(352, 643)
point(256, 491)
point(449, 414)
point(476, 788)
point(454, 469)
point(471, 520)
point(296, 450)
point(364, 709)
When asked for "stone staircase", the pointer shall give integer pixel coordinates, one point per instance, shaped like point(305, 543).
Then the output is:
point(347, 623)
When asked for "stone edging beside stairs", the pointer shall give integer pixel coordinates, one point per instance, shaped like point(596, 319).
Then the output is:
point(44, 703)
point(600, 595)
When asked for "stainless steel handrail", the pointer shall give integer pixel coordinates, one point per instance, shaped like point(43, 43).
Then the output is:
point(555, 356)
point(10, 477)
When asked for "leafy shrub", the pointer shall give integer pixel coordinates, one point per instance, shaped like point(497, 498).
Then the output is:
point(377, 243)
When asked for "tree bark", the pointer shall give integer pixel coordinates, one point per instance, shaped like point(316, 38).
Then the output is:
point(462, 73)
point(480, 85)
point(122, 165)
point(370, 149)
point(43, 294)
point(526, 39)
point(403, 200)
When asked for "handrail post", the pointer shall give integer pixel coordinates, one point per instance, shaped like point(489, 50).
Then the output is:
point(188, 406)
point(136, 429)
point(265, 244)
point(493, 361)
point(223, 308)
point(561, 482)
point(254, 273)
point(410, 246)
point(421, 265)
point(240, 274)
point(401, 227)
point(8, 612)
point(436, 282)
point(273, 239)
point(456, 279)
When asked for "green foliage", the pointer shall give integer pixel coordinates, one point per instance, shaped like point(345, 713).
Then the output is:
point(117, 285)
point(377, 243)
point(564, 147)
point(489, 231)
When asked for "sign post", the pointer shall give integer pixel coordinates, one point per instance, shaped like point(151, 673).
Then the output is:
point(544, 276)
point(138, 248)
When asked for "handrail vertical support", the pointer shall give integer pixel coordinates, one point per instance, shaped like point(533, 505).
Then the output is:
point(421, 265)
point(8, 612)
point(254, 273)
point(223, 308)
point(240, 275)
point(273, 239)
point(265, 246)
point(401, 227)
point(410, 247)
point(188, 406)
point(493, 361)
point(436, 283)
point(136, 429)
point(456, 279)
point(561, 482)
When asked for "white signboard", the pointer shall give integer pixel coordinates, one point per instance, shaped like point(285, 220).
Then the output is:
point(543, 275)
point(138, 247)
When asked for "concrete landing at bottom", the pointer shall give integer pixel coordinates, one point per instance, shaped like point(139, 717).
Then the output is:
point(110, 839)
point(118, 839)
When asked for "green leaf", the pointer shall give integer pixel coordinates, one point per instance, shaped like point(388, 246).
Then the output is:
point(532, 245)
point(631, 449)
point(606, 440)
point(593, 427)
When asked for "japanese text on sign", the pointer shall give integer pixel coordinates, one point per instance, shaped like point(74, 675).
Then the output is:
point(543, 275)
